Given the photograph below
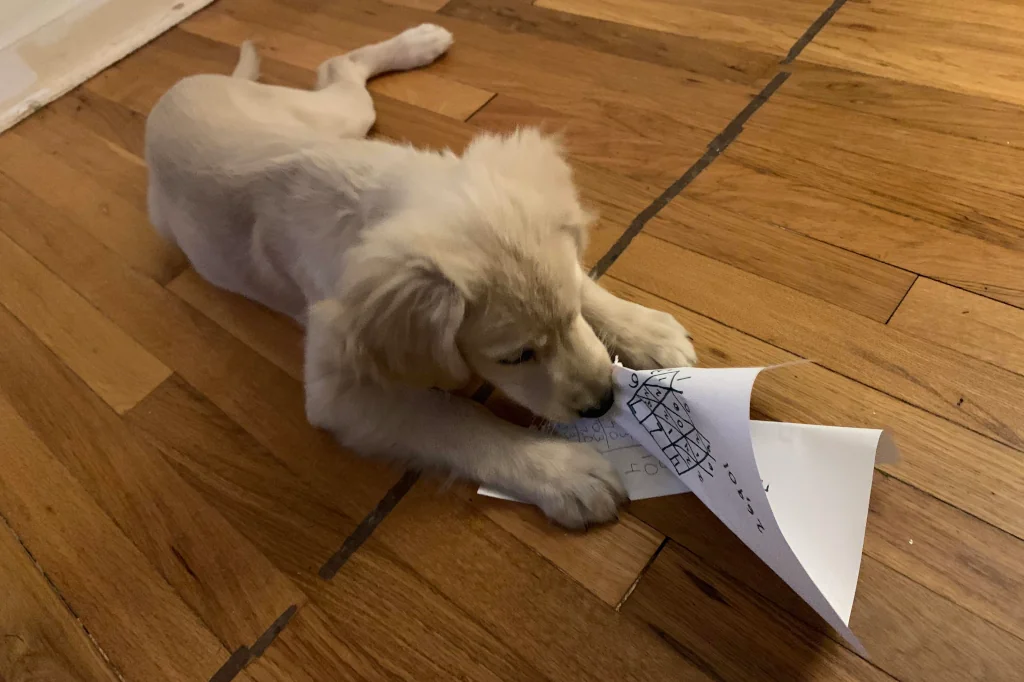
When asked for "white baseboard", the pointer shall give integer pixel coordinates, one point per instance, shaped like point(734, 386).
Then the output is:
point(64, 52)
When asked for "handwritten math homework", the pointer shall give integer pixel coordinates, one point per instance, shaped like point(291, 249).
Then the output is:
point(796, 494)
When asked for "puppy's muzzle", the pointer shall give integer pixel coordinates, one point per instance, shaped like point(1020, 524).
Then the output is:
point(599, 410)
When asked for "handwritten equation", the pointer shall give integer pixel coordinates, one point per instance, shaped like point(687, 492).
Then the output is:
point(603, 434)
point(643, 473)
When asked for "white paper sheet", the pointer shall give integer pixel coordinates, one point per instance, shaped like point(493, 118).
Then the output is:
point(643, 473)
point(796, 494)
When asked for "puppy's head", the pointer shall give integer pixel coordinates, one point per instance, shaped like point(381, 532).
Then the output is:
point(480, 274)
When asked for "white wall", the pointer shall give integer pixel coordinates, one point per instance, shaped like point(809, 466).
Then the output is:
point(19, 18)
point(48, 47)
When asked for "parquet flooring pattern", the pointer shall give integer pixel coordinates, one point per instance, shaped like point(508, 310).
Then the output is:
point(838, 182)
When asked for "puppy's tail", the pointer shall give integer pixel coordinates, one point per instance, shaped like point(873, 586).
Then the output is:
point(248, 67)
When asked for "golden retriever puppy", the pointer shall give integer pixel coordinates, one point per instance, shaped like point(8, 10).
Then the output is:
point(411, 270)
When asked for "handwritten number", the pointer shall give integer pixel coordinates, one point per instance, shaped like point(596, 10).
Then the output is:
point(634, 381)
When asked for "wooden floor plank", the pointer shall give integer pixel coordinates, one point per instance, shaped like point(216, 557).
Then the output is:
point(420, 88)
point(105, 215)
point(603, 95)
point(946, 158)
point(771, 27)
point(618, 199)
point(109, 361)
point(383, 617)
point(311, 650)
point(194, 435)
point(974, 117)
point(737, 634)
point(833, 274)
point(117, 124)
point(179, 53)
point(966, 561)
point(181, 530)
point(256, 491)
point(62, 132)
point(535, 611)
point(957, 387)
point(484, 54)
point(139, 80)
point(380, 604)
point(834, 203)
point(952, 553)
point(696, 54)
point(430, 92)
point(859, 284)
point(982, 485)
point(216, 572)
point(254, 392)
point(274, 336)
point(137, 619)
point(359, 621)
point(429, 5)
point(415, 631)
point(968, 323)
point(607, 560)
point(938, 194)
point(610, 143)
point(910, 632)
point(965, 47)
point(42, 639)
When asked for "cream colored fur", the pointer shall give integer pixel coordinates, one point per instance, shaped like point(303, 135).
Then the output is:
point(412, 270)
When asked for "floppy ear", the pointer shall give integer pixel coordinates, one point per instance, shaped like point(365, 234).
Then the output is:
point(396, 318)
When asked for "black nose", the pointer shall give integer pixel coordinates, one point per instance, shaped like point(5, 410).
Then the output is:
point(599, 410)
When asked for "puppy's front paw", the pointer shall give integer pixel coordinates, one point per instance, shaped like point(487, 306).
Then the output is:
point(656, 340)
point(581, 487)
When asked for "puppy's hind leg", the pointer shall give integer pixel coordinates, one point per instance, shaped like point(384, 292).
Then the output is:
point(410, 49)
point(342, 80)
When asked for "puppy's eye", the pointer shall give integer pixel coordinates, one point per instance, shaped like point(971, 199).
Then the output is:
point(521, 356)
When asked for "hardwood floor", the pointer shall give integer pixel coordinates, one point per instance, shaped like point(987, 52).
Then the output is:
point(836, 181)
